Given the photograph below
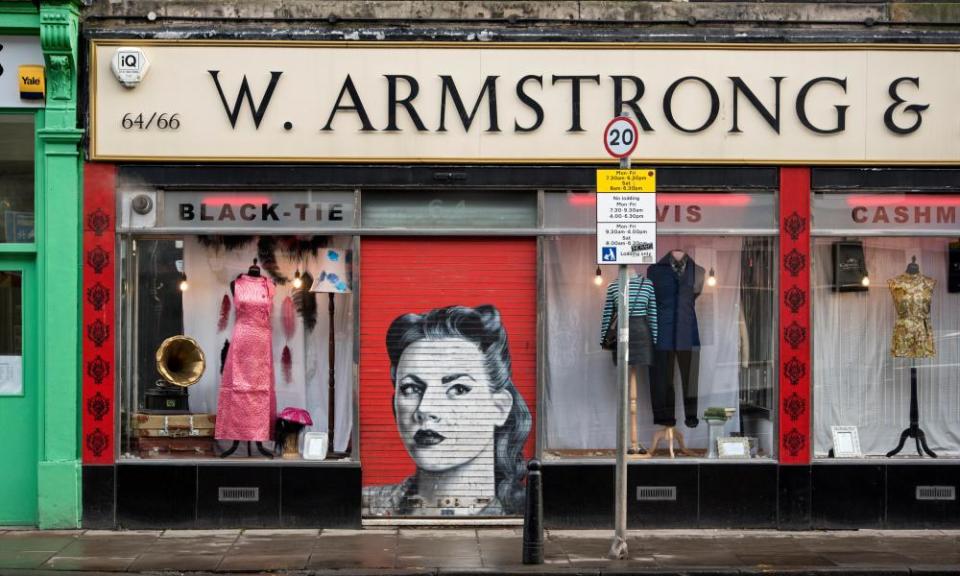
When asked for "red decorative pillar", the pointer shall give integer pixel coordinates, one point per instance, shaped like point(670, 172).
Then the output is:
point(795, 406)
point(99, 304)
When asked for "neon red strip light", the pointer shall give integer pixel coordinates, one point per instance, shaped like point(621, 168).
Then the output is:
point(676, 198)
point(221, 200)
point(902, 200)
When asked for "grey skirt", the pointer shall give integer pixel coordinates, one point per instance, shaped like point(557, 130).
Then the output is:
point(641, 343)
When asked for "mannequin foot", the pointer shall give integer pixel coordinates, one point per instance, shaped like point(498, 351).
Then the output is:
point(692, 422)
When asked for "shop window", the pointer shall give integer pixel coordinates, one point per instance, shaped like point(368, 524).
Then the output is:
point(457, 210)
point(887, 309)
point(16, 178)
point(230, 344)
point(709, 375)
point(11, 333)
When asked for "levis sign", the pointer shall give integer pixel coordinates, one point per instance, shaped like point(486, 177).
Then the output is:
point(381, 102)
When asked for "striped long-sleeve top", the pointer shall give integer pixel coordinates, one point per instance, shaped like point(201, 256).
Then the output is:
point(642, 302)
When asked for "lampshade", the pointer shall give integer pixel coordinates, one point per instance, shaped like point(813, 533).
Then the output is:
point(333, 275)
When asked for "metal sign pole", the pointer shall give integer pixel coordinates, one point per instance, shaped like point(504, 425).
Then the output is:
point(619, 547)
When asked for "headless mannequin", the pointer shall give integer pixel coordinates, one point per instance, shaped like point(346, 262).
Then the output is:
point(670, 433)
point(252, 271)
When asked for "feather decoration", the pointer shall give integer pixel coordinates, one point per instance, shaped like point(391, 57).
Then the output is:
point(286, 359)
point(297, 246)
point(223, 355)
point(289, 318)
point(224, 314)
point(305, 302)
point(228, 243)
point(266, 252)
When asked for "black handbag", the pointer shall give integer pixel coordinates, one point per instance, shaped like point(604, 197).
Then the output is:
point(609, 341)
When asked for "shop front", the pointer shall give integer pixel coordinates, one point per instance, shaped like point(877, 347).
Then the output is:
point(39, 243)
point(374, 306)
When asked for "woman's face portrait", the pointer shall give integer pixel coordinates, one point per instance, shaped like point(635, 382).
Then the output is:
point(445, 406)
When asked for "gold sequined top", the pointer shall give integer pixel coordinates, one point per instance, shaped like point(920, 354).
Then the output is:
point(913, 331)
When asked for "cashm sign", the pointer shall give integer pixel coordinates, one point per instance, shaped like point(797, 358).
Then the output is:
point(509, 102)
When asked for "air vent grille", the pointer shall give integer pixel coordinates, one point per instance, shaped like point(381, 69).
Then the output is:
point(239, 494)
point(656, 493)
point(936, 493)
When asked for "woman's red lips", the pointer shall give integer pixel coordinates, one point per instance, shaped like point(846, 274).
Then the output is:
point(428, 438)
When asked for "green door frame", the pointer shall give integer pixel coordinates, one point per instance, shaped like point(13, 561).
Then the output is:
point(55, 256)
point(23, 411)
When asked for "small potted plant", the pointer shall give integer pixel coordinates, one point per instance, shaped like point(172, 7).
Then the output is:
point(716, 417)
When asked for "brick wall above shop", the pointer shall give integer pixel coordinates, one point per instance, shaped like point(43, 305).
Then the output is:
point(594, 12)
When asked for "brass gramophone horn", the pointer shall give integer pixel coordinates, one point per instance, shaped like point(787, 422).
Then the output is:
point(180, 360)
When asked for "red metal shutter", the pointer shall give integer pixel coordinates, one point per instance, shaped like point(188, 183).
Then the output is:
point(416, 275)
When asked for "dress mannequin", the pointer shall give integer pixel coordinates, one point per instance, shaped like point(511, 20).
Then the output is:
point(912, 293)
point(234, 410)
point(643, 334)
point(677, 282)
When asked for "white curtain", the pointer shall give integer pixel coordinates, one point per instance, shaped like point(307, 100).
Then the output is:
point(210, 271)
point(856, 381)
point(580, 395)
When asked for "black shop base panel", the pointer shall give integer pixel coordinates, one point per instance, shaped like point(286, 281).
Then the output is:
point(834, 495)
point(829, 495)
point(200, 496)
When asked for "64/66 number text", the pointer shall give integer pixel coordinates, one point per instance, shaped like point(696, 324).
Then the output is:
point(158, 120)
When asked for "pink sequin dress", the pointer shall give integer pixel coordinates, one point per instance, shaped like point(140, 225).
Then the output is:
point(247, 404)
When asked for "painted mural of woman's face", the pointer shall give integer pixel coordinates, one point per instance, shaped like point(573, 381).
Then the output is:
point(445, 407)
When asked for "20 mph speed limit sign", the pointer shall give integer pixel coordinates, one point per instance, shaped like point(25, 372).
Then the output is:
point(620, 137)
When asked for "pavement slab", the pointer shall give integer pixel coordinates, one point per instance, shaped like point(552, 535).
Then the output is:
point(481, 551)
point(24, 559)
point(187, 562)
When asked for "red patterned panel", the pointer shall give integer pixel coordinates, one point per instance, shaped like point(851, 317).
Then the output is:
point(99, 301)
point(416, 275)
point(795, 315)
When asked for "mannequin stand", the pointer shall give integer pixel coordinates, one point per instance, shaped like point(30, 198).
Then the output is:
point(671, 435)
point(913, 431)
point(636, 448)
point(236, 444)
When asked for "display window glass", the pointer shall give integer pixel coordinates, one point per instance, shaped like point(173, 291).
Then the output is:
point(16, 178)
point(886, 317)
point(702, 329)
point(234, 344)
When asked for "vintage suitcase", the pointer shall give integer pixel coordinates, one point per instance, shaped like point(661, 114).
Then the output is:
point(187, 447)
point(174, 425)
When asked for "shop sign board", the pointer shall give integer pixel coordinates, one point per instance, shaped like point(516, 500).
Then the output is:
point(915, 214)
point(626, 216)
point(526, 103)
point(250, 211)
point(21, 66)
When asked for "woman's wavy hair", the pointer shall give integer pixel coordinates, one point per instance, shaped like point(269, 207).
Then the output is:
point(482, 326)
